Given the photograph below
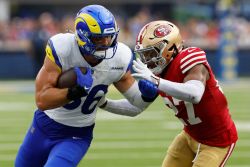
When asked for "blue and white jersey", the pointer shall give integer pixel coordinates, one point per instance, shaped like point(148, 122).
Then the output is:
point(64, 51)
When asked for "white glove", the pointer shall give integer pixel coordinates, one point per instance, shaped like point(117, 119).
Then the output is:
point(142, 72)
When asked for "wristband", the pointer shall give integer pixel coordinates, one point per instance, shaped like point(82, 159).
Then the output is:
point(156, 80)
point(147, 99)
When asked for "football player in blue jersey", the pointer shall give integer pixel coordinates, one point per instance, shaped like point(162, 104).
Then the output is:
point(62, 127)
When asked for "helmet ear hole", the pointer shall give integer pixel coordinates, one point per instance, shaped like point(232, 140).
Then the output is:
point(167, 53)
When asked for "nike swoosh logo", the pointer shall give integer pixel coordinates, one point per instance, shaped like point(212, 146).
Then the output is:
point(191, 50)
point(86, 88)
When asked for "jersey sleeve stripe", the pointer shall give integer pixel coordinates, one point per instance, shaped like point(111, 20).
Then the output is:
point(54, 54)
point(192, 65)
point(192, 54)
point(203, 57)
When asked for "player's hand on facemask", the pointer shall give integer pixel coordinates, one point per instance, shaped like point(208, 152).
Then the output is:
point(142, 72)
point(148, 89)
point(84, 83)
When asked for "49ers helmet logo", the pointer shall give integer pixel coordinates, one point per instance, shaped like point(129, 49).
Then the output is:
point(162, 31)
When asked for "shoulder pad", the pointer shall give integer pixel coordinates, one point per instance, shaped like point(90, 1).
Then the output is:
point(124, 52)
point(62, 43)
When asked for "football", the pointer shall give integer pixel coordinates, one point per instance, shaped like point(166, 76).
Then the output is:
point(67, 79)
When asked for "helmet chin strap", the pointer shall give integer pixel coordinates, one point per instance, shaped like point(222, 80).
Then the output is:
point(100, 54)
point(105, 54)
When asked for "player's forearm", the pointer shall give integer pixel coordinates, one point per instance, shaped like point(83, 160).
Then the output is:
point(51, 98)
point(121, 107)
point(133, 105)
point(190, 91)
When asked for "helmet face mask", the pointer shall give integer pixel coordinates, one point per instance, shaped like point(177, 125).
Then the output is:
point(157, 44)
point(152, 56)
point(95, 21)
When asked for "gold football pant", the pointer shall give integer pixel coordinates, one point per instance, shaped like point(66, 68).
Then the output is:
point(187, 152)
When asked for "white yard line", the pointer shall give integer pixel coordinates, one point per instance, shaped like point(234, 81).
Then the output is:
point(114, 155)
point(131, 155)
point(243, 126)
point(29, 85)
point(17, 86)
point(103, 115)
point(16, 106)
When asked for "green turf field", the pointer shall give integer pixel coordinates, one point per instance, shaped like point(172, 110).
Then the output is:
point(120, 141)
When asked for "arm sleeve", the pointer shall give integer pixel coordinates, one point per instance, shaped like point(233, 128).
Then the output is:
point(121, 107)
point(191, 91)
point(131, 106)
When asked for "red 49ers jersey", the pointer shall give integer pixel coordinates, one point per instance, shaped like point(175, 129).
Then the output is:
point(209, 121)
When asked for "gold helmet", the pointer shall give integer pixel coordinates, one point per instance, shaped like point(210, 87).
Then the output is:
point(157, 44)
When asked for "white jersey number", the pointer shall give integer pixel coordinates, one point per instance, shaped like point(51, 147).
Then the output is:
point(91, 101)
point(192, 120)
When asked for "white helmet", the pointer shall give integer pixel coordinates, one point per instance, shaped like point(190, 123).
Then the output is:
point(157, 44)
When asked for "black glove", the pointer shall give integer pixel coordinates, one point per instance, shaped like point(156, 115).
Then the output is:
point(76, 92)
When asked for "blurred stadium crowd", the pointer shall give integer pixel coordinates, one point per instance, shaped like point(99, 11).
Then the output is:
point(22, 33)
point(29, 26)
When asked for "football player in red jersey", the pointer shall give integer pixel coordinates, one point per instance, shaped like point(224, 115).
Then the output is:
point(183, 77)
